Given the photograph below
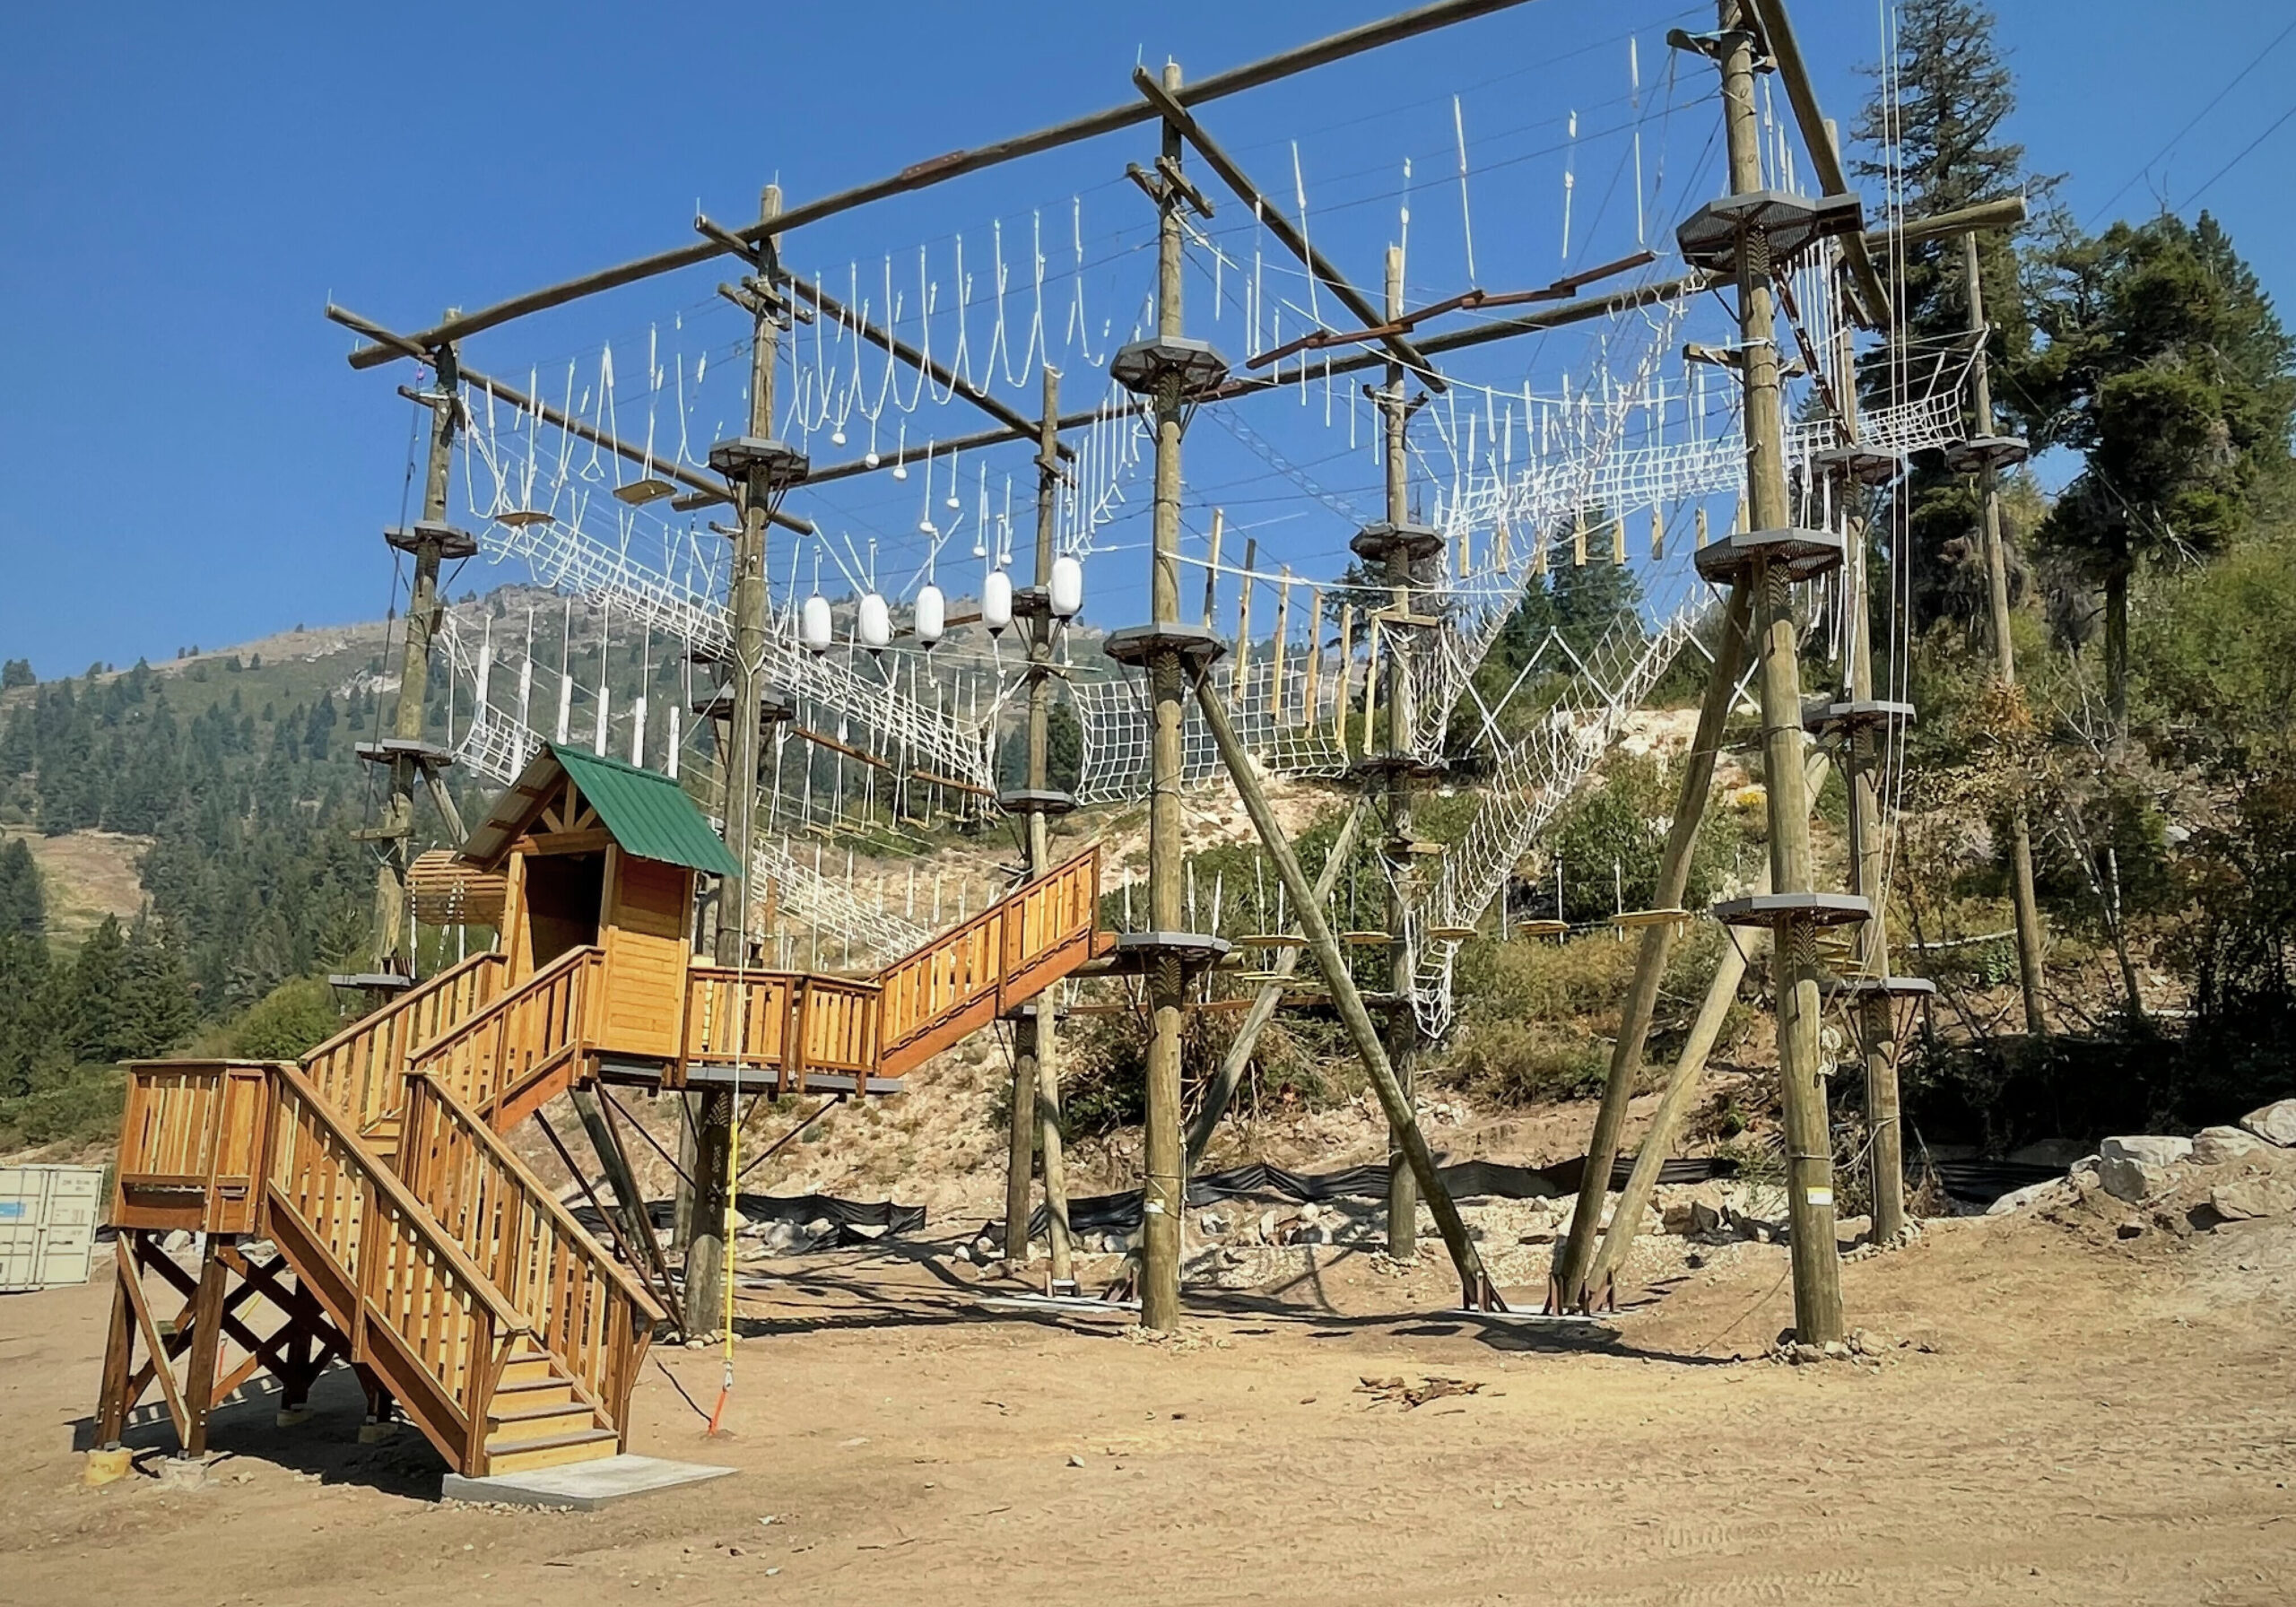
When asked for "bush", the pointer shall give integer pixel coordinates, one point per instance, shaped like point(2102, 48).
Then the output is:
point(287, 1022)
point(82, 1107)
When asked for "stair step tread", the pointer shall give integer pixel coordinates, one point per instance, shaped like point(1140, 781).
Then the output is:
point(496, 1446)
point(526, 1386)
point(520, 1415)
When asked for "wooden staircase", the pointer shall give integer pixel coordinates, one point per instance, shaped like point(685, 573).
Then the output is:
point(423, 1251)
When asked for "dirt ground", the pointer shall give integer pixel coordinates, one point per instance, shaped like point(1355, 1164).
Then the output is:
point(2058, 1417)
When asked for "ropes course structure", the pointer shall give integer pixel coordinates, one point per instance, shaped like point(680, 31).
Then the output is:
point(889, 393)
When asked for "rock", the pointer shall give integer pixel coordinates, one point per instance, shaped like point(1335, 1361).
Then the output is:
point(2130, 1228)
point(821, 1227)
point(1692, 1211)
point(178, 1242)
point(1212, 1224)
point(2136, 1168)
point(1311, 1212)
point(2275, 1124)
point(2039, 1193)
point(2214, 1146)
point(964, 1252)
point(780, 1237)
point(2249, 1197)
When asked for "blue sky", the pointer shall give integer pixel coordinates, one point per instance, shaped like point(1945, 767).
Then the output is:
point(191, 461)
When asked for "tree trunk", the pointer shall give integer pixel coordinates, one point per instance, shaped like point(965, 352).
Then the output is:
point(2117, 650)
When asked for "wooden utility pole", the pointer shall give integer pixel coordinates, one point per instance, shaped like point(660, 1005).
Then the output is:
point(1403, 1022)
point(758, 469)
point(2004, 652)
point(1794, 909)
point(1568, 1286)
point(1865, 726)
point(1036, 1075)
point(1173, 372)
point(412, 762)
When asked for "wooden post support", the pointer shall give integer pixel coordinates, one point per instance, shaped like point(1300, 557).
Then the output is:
point(1403, 1022)
point(1164, 1189)
point(1270, 997)
point(1211, 569)
point(396, 831)
point(206, 1344)
point(1865, 755)
point(2004, 659)
point(1809, 1149)
point(711, 1245)
point(1475, 1290)
point(1568, 1286)
point(1738, 951)
point(1237, 684)
point(1035, 1078)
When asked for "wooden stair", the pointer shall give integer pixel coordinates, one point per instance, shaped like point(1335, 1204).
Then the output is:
point(432, 1258)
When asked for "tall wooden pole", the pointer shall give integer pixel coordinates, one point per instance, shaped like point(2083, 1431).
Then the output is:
point(1403, 1022)
point(2005, 657)
point(1865, 749)
point(706, 1250)
point(1568, 1285)
point(427, 542)
point(1817, 1270)
point(1036, 1075)
point(1164, 1195)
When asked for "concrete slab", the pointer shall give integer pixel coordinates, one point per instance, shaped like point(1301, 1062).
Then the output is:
point(582, 1486)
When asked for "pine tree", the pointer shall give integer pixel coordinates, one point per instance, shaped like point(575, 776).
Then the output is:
point(1934, 127)
point(23, 911)
point(156, 1006)
point(2168, 370)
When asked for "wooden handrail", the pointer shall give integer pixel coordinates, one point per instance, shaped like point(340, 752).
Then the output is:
point(411, 1209)
point(405, 1002)
point(479, 1018)
point(563, 1218)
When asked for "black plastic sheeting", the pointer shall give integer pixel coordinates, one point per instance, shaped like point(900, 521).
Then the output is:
point(796, 1210)
point(1467, 1179)
point(1982, 1181)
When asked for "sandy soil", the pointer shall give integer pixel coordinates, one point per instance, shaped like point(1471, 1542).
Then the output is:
point(2059, 1416)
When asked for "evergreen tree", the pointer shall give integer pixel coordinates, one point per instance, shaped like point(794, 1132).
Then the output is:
point(23, 911)
point(17, 673)
point(156, 1007)
point(91, 1001)
point(1933, 126)
point(2168, 370)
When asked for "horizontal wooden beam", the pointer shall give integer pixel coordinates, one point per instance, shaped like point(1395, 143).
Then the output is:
point(954, 164)
point(541, 844)
point(699, 484)
point(1271, 218)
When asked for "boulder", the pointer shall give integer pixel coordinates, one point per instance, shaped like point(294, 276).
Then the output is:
point(2136, 1168)
point(2248, 1197)
point(2275, 1124)
point(2214, 1146)
point(821, 1227)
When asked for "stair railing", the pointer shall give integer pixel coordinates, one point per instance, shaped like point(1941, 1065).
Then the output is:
point(496, 1060)
point(411, 1300)
point(358, 1070)
point(572, 1297)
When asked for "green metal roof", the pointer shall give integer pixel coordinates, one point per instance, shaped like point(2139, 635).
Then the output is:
point(648, 814)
